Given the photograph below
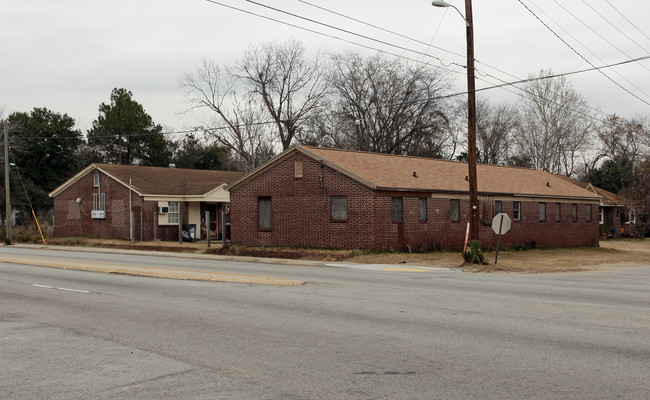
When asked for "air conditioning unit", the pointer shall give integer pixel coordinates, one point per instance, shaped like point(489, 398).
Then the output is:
point(98, 214)
point(163, 210)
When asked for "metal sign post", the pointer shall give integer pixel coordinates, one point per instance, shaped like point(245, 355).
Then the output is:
point(500, 225)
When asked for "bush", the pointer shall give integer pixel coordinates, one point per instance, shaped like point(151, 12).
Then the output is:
point(473, 254)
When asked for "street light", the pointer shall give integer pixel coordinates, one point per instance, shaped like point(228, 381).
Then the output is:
point(471, 116)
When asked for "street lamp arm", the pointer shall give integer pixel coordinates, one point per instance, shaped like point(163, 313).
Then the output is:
point(444, 4)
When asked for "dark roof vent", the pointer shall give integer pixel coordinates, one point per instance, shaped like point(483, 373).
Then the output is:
point(415, 175)
point(467, 178)
point(548, 184)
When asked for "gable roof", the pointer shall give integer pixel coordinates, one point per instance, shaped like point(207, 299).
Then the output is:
point(158, 180)
point(404, 173)
point(608, 198)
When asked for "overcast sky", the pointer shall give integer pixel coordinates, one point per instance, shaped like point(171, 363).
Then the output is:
point(67, 55)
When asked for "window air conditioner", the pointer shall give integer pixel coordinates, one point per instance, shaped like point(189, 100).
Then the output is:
point(163, 210)
point(98, 214)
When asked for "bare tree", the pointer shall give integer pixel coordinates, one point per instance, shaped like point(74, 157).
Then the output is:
point(386, 105)
point(556, 125)
point(496, 126)
point(620, 137)
point(289, 85)
point(236, 122)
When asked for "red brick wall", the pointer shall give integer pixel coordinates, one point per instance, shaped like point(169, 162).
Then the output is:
point(72, 219)
point(301, 216)
point(301, 208)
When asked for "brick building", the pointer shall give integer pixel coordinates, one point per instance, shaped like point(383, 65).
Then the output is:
point(100, 200)
point(317, 197)
point(615, 213)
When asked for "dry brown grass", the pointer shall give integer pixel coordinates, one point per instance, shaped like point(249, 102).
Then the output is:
point(611, 254)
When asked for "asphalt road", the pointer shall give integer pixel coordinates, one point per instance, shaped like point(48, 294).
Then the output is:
point(346, 333)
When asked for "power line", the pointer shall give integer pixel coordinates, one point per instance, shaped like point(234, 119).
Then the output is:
point(615, 27)
point(624, 17)
point(580, 55)
point(372, 48)
point(444, 67)
point(380, 28)
point(347, 31)
point(429, 45)
point(585, 47)
point(600, 36)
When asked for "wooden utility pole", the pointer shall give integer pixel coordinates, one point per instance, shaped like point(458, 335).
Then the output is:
point(471, 125)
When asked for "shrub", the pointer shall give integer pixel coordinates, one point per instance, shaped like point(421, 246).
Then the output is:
point(473, 254)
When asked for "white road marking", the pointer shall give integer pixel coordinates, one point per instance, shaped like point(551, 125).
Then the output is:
point(43, 286)
point(60, 288)
point(73, 290)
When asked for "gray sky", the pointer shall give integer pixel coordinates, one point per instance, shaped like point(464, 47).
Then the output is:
point(67, 55)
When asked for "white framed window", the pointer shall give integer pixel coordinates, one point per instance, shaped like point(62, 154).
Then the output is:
point(601, 215)
point(516, 210)
point(96, 179)
point(542, 212)
point(588, 212)
point(558, 212)
point(173, 216)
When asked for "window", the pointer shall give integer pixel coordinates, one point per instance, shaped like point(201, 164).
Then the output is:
point(601, 217)
point(516, 210)
point(558, 212)
point(588, 212)
point(264, 213)
point(454, 207)
point(173, 217)
point(423, 209)
point(96, 179)
point(497, 207)
point(397, 209)
point(574, 212)
point(542, 212)
point(297, 168)
point(339, 208)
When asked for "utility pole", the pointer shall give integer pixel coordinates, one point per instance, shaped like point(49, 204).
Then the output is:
point(474, 220)
point(7, 191)
point(471, 125)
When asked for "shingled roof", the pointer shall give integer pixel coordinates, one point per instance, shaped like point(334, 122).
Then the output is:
point(403, 173)
point(160, 181)
point(608, 198)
